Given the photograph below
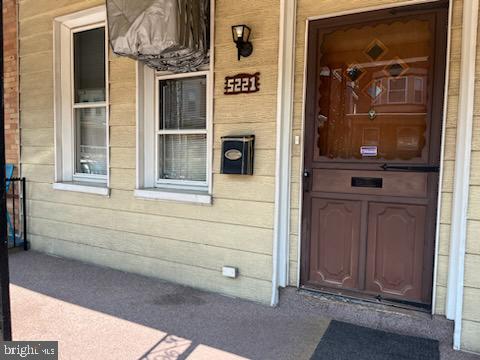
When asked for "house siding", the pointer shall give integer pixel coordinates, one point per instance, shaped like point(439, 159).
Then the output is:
point(10, 60)
point(180, 242)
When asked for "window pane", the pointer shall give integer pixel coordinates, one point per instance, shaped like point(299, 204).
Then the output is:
point(90, 138)
point(397, 91)
point(183, 103)
point(182, 157)
point(89, 65)
point(366, 96)
point(418, 88)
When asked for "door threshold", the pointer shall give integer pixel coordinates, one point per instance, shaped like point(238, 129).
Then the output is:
point(353, 298)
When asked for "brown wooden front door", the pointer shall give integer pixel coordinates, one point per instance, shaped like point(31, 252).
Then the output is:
point(372, 150)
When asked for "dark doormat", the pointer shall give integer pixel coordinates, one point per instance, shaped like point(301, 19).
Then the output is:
point(344, 341)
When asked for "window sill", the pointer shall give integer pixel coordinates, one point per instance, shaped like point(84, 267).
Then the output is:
point(88, 188)
point(197, 197)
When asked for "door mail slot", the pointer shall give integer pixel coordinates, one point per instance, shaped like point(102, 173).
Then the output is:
point(367, 182)
point(237, 155)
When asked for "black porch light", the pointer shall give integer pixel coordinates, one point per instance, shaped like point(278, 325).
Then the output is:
point(241, 37)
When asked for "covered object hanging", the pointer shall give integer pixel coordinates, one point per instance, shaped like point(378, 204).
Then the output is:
point(168, 35)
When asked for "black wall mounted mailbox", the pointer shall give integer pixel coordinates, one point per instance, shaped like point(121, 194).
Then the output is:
point(238, 154)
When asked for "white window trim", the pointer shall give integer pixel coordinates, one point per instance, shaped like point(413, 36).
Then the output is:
point(146, 169)
point(147, 185)
point(174, 195)
point(82, 187)
point(65, 176)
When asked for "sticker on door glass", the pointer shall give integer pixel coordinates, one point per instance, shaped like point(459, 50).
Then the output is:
point(368, 150)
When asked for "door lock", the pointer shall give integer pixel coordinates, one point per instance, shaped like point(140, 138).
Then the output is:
point(307, 182)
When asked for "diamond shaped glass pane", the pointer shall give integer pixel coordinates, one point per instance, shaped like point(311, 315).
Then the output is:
point(374, 89)
point(354, 72)
point(396, 69)
point(376, 50)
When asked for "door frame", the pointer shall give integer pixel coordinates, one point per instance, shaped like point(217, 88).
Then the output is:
point(301, 239)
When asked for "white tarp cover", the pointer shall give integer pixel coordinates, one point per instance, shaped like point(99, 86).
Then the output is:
point(172, 35)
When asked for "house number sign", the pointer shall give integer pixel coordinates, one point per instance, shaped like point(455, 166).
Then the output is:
point(242, 84)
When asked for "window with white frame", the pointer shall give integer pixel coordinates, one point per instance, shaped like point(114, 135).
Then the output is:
point(174, 138)
point(81, 98)
point(181, 130)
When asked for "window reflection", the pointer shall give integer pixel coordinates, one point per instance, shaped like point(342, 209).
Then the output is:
point(372, 90)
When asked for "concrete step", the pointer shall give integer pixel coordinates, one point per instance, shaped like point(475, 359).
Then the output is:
point(376, 316)
point(370, 314)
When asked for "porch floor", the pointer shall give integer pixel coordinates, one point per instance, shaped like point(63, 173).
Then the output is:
point(98, 313)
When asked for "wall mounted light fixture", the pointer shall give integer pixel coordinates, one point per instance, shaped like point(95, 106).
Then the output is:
point(241, 37)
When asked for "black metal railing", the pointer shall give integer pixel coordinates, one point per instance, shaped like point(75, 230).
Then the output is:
point(16, 213)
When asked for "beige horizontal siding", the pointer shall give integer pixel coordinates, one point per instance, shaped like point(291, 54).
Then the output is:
point(474, 203)
point(260, 109)
point(190, 275)
point(473, 229)
point(441, 298)
point(470, 335)
point(472, 269)
point(248, 213)
point(220, 234)
point(471, 304)
point(264, 133)
point(174, 241)
point(255, 265)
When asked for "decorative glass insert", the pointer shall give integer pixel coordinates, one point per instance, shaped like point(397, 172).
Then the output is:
point(376, 50)
point(397, 68)
point(374, 89)
point(354, 72)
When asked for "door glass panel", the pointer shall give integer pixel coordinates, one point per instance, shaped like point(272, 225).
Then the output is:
point(373, 92)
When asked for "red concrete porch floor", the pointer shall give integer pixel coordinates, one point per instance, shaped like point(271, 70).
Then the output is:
point(98, 313)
